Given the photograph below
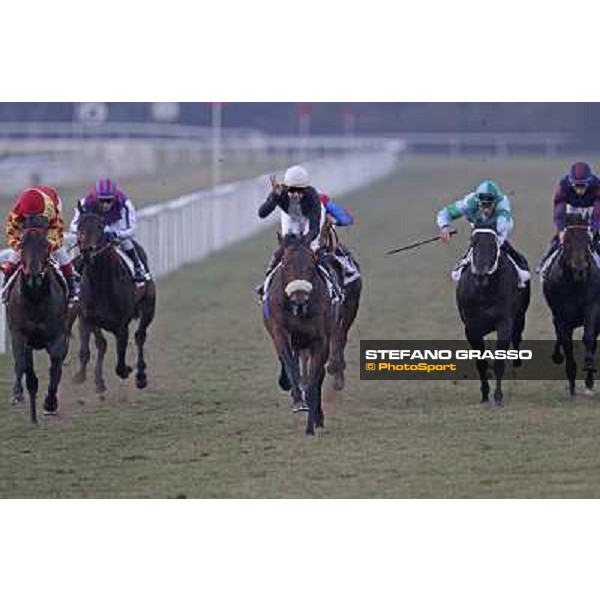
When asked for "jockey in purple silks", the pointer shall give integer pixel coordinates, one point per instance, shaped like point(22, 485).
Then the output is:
point(108, 201)
point(578, 192)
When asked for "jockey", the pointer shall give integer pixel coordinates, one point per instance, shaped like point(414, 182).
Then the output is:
point(40, 201)
point(487, 203)
point(107, 200)
point(578, 191)
point(337, 213)
point(301, 213)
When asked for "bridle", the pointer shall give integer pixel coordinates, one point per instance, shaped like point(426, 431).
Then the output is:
point(93, 253)
point(487, 231)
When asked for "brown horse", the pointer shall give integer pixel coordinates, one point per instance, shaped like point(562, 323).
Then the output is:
point(297, 315)
point(110, 300)
point(347, 311)
point(37, 318)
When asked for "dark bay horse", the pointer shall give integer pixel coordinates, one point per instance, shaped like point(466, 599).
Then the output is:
point(297, 315)
point(110, 300)
point(572, 290)
point(37, 318)
point(489, 299)
point(347, 311)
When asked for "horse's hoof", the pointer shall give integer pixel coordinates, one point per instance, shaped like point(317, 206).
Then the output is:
point(517, 363)
point(485, 400)
point(589, 391)
point(310, 432)
point(123, 373)
point(557, 359)
point(141, 382)
point(285, 384)
point(79, 378)
point(100, 388)
point(17, 400)
point(51, 413)
point(299, 407)
point(50, 406)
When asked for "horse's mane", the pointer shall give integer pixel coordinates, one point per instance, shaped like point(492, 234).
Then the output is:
point(292, 239)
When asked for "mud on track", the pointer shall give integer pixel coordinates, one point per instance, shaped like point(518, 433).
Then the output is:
point(214, 424)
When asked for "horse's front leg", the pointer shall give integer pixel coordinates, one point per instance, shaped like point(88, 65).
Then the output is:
point(18, 348)
point(123, 369)
point(101, 345)
point(84, 350)
point(564, 335)
point(504, 333)
point(57, 351)
point(477, 342)
point(32, 383)
point(319, 357)
point(289, 378)
point(590, 343)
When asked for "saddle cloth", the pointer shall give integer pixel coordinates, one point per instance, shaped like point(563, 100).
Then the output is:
point(349, 266)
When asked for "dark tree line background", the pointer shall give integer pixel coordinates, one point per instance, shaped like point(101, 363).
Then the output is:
point(582, 120)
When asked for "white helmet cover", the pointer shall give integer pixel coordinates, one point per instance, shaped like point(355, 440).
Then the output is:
point(296, 176)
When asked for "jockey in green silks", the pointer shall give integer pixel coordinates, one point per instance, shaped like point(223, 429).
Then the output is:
point(487, 204)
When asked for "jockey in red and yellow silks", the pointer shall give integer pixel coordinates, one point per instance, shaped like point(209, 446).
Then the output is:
point(40, 201)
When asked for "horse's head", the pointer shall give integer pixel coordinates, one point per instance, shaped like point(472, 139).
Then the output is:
point(485, 249)
point(90, 233)
point(299, 266)
point(35, 251)
point(576, 243)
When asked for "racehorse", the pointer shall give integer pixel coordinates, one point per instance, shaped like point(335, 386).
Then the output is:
point(37, 317)
point(572, 290)
point(489, 299)
point(348, 309)
point(110, 300)
point(297, 315)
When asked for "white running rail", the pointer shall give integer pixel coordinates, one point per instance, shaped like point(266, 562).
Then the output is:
point(189, 228)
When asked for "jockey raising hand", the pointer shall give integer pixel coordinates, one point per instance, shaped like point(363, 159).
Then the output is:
point(44, 203)
point(301, 212)
point(110, 202)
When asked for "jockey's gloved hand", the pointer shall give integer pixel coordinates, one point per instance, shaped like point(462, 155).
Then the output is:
point(111, 236)
point(445, 235)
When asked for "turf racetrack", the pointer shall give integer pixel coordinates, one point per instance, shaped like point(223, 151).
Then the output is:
point(214, 424)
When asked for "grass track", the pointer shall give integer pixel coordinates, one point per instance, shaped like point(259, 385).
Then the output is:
point(214, 424)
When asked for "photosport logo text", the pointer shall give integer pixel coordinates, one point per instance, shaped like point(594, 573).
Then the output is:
point(454, 359)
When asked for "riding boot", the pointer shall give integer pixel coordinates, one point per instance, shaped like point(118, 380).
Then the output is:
point(139, 275)
point(8, 269)
point(275, 260)
point(72, 288)
point(516, 256)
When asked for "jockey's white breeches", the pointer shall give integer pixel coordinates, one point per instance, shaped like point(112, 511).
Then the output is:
point(61, 256)
point(301, 226)
point(126, 244)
